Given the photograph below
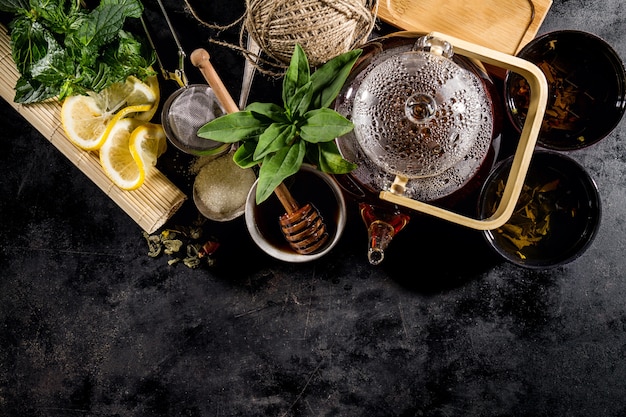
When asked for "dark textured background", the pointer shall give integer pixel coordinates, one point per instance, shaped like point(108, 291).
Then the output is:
point(91, 326)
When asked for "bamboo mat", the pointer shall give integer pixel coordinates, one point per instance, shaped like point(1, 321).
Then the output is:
point(150, 206)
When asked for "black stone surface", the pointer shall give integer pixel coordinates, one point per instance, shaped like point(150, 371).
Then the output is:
point(92, 326)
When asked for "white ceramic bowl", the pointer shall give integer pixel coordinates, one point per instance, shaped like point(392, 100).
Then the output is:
point(309, 185)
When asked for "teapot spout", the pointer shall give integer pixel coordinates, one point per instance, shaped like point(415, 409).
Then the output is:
point(379, 235)
point(382, 223)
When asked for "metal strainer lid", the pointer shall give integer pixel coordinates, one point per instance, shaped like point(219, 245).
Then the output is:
point(184, 112)
point(419, 113)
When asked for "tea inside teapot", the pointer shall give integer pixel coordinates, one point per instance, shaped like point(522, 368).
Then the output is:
point(418, 114)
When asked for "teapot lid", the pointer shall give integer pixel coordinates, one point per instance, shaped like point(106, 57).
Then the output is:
point(419, 113)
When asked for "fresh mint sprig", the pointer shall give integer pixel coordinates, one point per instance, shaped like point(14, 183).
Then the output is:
point(62, 49)
point(279, 139)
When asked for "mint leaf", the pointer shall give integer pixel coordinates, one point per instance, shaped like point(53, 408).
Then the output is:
point(129, 56)
point(131, 8)
point(59, 17)
point(32, 91)
point(61, 48)
point(104, 22)
point(324, 125)
point(29, 43)
point(14, 6)
point(56, 65)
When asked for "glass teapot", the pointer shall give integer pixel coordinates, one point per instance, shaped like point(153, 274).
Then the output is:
point(427, 126)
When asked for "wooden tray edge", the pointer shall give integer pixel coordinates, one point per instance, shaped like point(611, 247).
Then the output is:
point(540, 10)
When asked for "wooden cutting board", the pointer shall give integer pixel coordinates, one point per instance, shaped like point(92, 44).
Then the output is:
point(504, 26)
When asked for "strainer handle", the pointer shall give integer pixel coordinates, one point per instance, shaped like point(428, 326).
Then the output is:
point(201, 59)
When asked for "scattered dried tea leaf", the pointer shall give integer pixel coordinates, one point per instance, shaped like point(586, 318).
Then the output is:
point(154, 245)
point(172, 241)
point(172, 245)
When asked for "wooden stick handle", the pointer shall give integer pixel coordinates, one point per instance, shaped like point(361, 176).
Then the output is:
point(200, 58)
point(286, 199)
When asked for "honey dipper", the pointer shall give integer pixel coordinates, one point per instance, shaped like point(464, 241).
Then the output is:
point(303, 227)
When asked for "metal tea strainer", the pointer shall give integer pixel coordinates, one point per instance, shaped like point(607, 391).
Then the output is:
point(188, 108)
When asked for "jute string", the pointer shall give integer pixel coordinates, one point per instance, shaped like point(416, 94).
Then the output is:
point(324, 29)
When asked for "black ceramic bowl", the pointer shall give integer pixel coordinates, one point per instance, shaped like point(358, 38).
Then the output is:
point(587, 89)
point(556, 217)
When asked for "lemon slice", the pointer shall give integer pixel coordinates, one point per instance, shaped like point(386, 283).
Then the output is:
point(147, 143)
point(87, 119)
point(84, 121)
point(132, 92)
point(144, 93)
point(131, 148)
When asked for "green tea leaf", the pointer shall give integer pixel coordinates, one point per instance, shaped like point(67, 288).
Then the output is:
point(275, 137)
point(278, 166)
point(323, 125)
point(328, 80)
point(233, 127)
point(297, 75)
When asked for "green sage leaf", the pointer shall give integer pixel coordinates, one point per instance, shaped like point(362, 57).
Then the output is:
point(275, 137)
point(243, 156)
point(297, 75)
point(299, 103)
point(277, 167)
point(233, 127)
point(323, 125)
point(271, 111)
point(331, 161)
point(328, 80)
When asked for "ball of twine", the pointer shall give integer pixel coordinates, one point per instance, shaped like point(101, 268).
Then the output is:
point(324, 28)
